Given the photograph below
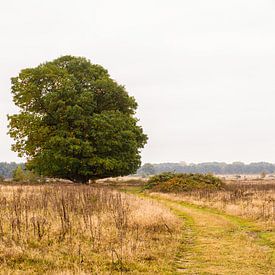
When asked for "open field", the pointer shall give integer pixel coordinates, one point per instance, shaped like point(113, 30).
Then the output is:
point(217, 243)
point(228, 231)
point(90, 229)
point(253, 199)
point(70, 229)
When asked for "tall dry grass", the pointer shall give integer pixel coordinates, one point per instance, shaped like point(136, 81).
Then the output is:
point(81, 229)
point(253, 199)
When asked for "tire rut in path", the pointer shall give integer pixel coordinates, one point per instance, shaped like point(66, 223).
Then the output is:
point(214, 244)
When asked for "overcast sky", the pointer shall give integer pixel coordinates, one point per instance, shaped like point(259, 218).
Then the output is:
point(203, 72)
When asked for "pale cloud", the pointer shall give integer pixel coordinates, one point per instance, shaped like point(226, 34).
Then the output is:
point(201, 71)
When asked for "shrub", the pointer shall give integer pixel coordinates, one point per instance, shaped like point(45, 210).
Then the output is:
point(160, 178)
point(171, 182)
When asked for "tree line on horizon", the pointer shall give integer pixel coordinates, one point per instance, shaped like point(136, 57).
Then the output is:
point(7, 169)
point(219, 168)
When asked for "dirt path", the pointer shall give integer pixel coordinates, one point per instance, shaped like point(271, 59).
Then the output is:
point(214, 243)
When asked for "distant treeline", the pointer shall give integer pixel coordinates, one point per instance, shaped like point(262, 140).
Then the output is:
point(6, 169)
point(219, 168)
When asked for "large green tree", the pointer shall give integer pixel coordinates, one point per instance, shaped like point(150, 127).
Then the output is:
point(75, 122)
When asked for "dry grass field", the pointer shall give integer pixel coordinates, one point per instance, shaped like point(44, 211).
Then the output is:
point(228, 231)
point(63, 228)
point(253, 199)
point(67, 229)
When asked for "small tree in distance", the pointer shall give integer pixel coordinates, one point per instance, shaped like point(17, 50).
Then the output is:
point(18, 174)
point(22, 175)
point(75, 122)
point(147, 169)
point(263, 174)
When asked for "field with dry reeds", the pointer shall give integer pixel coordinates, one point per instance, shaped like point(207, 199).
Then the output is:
point(69, 229)
point(253, 199)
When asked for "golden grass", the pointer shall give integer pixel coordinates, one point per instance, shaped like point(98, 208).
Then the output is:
point(254, 200)
point(68, 229)
point(220, 244)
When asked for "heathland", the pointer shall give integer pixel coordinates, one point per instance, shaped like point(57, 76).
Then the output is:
point(122, 226)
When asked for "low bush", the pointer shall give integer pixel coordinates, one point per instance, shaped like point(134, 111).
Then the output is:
point(172, 182)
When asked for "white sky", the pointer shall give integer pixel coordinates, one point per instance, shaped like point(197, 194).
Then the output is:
point(203, 72)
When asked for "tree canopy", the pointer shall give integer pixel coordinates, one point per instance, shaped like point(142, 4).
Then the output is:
point(75, 121)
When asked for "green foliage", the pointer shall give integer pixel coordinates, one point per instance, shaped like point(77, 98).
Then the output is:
point(6, 169)
point(159, 179)
point(18, 174)
point(23, 175)
point(171, 182)
point(75, 122)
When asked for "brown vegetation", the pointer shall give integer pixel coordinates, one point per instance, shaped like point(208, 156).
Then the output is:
point(67, 228)
point(177, 182)
point(254, 199)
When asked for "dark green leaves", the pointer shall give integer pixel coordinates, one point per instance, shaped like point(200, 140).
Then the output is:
point(75, 121)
